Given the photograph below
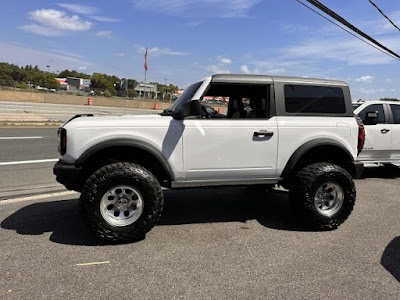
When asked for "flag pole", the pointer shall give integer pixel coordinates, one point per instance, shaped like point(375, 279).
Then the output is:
point(145, 72)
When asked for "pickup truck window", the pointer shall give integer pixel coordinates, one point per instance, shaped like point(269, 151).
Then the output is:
point(373, 108)
point(314, 99)
point(396, 113)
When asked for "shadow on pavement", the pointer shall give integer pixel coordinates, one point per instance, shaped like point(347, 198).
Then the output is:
point(270, 209)
point(391, 172)
point(391, 258)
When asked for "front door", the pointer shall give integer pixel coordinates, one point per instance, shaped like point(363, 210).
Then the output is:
point(395, 138)
point(377, 145)
point(240, 143)
point(230, 149)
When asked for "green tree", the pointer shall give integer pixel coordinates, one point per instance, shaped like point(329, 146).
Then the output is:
point(390, 99)
point(6, 80)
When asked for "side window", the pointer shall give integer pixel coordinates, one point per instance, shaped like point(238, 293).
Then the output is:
point(374, 107)
point(314, 99)
point(239, 101)
point(396, 113)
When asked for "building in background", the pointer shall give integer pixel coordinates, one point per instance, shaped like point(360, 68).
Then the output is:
point(146, 90)
point(73, 84)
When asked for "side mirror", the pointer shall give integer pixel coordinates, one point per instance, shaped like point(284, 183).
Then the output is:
point(189, 109)
point(371, 118)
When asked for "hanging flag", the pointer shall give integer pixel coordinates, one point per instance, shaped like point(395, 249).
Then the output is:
point(145, 60)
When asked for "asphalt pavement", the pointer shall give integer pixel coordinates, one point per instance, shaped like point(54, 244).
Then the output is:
point(209, 244)
point(27, 156)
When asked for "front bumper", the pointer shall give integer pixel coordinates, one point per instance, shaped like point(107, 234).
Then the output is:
point(68, 175)
point(359, 169)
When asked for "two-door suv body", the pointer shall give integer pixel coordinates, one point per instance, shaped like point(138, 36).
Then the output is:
point(297, 132)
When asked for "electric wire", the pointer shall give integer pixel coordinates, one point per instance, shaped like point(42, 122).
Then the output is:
point(348, 31)
point(383, 14)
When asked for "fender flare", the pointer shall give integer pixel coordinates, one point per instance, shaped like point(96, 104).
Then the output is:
point(133, 143)
point(294, 159)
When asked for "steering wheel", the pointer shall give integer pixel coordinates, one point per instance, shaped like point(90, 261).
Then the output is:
point(204, 113)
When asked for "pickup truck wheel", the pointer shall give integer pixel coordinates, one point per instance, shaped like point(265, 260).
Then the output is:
point(121, 202)
point(323, 195)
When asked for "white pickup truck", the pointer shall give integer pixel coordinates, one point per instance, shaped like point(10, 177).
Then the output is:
point(382, 127)
point(297, 132)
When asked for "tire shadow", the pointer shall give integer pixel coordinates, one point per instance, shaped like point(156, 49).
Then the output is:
point(61, 218)
point(391, 258)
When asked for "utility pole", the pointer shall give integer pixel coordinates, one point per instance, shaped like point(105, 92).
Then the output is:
point(48, 69)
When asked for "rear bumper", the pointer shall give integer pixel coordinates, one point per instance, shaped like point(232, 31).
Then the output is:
point(68, 175)
point(359, 169)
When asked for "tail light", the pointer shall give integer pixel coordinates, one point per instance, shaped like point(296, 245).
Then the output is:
point(62, 139)
point(361, 136)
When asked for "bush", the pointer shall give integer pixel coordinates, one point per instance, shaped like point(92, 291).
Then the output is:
point(107, 93)
point(21, 85)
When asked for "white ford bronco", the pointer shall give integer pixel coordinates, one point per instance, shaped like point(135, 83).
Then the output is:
point(299, 133)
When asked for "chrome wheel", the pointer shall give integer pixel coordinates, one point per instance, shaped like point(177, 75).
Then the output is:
point(329, 199)
point(121, 206)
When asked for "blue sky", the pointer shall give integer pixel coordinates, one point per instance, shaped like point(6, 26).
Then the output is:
point(191, 39)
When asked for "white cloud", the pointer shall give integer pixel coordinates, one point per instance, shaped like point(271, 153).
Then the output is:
point(189, 8)
point(155, 51)
point(22, 56)
point(217, 69)
point(58, 19)
point(366, 78)
point(119, 54)
point(345, 50)
point(107, 34)
point(79, 9)
point(105, 19)
point(245, 69)
point(224, 60)
point(41, 30)
point(82, 68)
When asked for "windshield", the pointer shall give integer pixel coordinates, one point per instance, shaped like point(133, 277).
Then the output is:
point(185, 97)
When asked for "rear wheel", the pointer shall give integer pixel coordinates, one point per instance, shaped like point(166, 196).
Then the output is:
point(323, 195)
point(121, 202)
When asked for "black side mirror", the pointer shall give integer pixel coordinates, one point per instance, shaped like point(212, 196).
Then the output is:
point(189, 109)
point(371, 118)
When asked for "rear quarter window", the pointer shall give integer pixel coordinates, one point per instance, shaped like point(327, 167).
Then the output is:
point(314, 99)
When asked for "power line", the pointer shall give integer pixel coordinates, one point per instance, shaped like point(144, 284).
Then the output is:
point(348, 31)
point(383, 14)
point(350, 26)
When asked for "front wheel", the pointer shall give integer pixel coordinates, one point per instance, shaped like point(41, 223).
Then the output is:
point(323, 195)
point(121, 202)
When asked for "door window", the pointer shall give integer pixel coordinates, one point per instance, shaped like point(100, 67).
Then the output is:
point(396, 113)
point(240, 101)
point(372, 108)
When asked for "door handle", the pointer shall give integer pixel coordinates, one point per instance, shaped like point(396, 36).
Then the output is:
point(385, 130)
point(263, 133)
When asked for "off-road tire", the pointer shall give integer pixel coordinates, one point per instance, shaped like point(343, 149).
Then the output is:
point(113, 175)
point(303, 190)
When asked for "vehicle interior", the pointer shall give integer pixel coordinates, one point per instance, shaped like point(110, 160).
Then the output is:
point(243, 101)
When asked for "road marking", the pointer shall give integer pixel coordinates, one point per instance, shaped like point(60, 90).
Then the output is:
point(20, 137)
point(94, 263)
point(37, 197)
point(23, 162)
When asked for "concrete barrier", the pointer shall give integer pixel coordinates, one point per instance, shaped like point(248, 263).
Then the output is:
point(18, 96)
